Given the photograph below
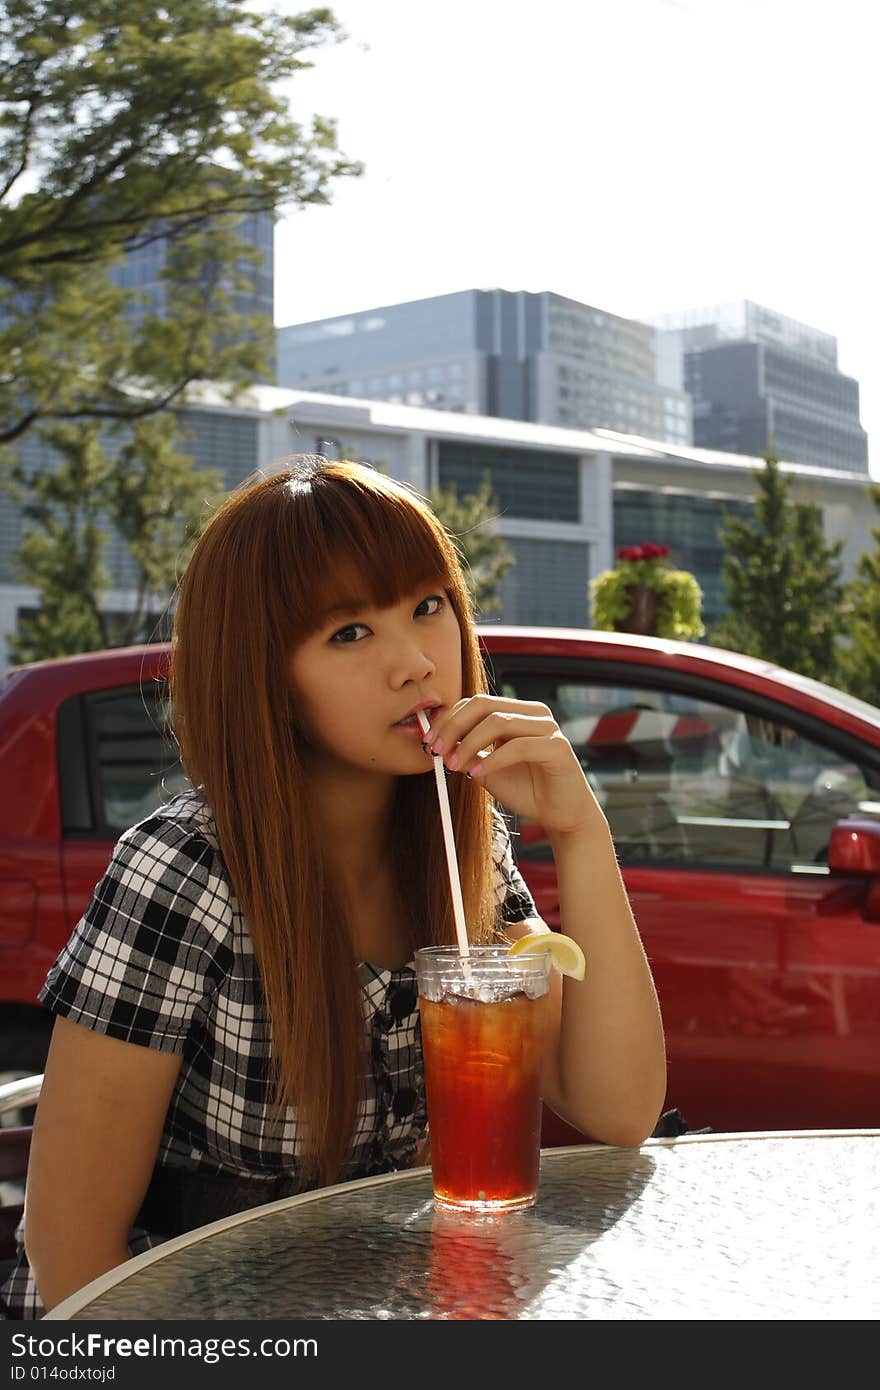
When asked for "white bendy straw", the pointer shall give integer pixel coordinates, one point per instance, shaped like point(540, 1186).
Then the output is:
point(451, 860)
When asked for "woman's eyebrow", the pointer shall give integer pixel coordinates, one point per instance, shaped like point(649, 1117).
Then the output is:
point(345, 608)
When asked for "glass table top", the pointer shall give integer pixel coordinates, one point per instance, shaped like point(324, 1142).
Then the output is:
point(775, 1226)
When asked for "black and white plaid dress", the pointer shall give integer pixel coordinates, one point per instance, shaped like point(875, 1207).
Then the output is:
point(163, 958)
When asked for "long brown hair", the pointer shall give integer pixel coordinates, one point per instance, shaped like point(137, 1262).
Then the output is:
point(261, 577)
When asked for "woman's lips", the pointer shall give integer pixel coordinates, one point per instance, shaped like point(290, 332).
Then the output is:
point(409, 731)
point(411, 728)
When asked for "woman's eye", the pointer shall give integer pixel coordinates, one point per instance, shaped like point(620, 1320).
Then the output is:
point(435, 603)
point(348, 636)
point(344, 637)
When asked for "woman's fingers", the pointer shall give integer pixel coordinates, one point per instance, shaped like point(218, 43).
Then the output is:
point(464, 714)
point(540, 751)
point(467, 717)
point(496, 729)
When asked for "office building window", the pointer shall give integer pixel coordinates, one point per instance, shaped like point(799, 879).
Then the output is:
point(525, 482)
point(547, 585)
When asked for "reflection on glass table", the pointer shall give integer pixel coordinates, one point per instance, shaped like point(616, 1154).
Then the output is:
point(775, 1226)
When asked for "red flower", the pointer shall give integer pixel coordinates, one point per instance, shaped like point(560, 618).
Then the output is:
point(648, 551)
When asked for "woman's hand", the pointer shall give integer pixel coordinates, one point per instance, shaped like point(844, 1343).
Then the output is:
point(532, 768)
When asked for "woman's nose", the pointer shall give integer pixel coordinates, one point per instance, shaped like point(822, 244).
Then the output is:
point(411, 663)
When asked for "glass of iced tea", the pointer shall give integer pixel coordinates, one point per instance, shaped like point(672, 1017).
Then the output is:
point(484, 1023)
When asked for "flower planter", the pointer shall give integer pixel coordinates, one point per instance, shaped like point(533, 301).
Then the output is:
point(644, 606)
point(644, 594)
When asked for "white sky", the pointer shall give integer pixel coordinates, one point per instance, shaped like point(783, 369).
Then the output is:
point(638, 155)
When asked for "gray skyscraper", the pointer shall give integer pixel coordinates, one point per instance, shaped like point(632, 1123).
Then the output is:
point(521, 356)
point(761, 380)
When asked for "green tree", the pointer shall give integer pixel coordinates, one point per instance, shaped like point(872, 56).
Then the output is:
point(859, 661)
point(143, 490)
point(123, 123)
point(487, 559)
point(782, 581)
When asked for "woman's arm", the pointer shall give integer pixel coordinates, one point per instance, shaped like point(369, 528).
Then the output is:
point(606, 1071)
point(96, 1134)
point(610, 1073)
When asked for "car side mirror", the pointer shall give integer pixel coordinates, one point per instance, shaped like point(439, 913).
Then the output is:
point(854, 847)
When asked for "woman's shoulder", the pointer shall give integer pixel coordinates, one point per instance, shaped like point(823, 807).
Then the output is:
point(174, 853)
point(185, 813)
point(183, 823)
point(157, 937)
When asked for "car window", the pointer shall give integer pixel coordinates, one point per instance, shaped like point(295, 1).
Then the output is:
point(685, 779)
point(135, 758)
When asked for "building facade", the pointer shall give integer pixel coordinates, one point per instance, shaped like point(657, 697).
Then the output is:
point(143, 271)
point(531, 357)
point(565, 498)
point(759, 380)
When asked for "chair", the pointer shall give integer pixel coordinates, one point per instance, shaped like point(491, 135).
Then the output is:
point(15, 1146)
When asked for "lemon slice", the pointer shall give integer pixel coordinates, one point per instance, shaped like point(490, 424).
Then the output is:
point(566, 954)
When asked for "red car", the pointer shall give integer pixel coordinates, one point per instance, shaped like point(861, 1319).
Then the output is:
point(744, 802)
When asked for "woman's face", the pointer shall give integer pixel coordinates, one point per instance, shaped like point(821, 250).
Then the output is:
point(366, 669)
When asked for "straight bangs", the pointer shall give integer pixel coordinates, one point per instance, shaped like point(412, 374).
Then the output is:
point(359, 537)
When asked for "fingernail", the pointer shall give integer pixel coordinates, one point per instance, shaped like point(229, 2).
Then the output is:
point(437, 748)
point(476, 771)
point(452, 761)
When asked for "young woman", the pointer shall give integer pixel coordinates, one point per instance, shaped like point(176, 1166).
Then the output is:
point(236, 1011)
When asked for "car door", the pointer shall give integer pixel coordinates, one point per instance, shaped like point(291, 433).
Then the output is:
point(721, 805)
point(117, 762)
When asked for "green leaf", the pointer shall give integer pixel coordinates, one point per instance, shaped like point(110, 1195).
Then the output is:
point(122, 123)
point(679, 612)
point(859, 658)
point(782, 581)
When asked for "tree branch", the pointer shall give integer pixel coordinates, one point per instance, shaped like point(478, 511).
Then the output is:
point(13, 432)
point(169, 227)
point(151, 407)
point(27, 126)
